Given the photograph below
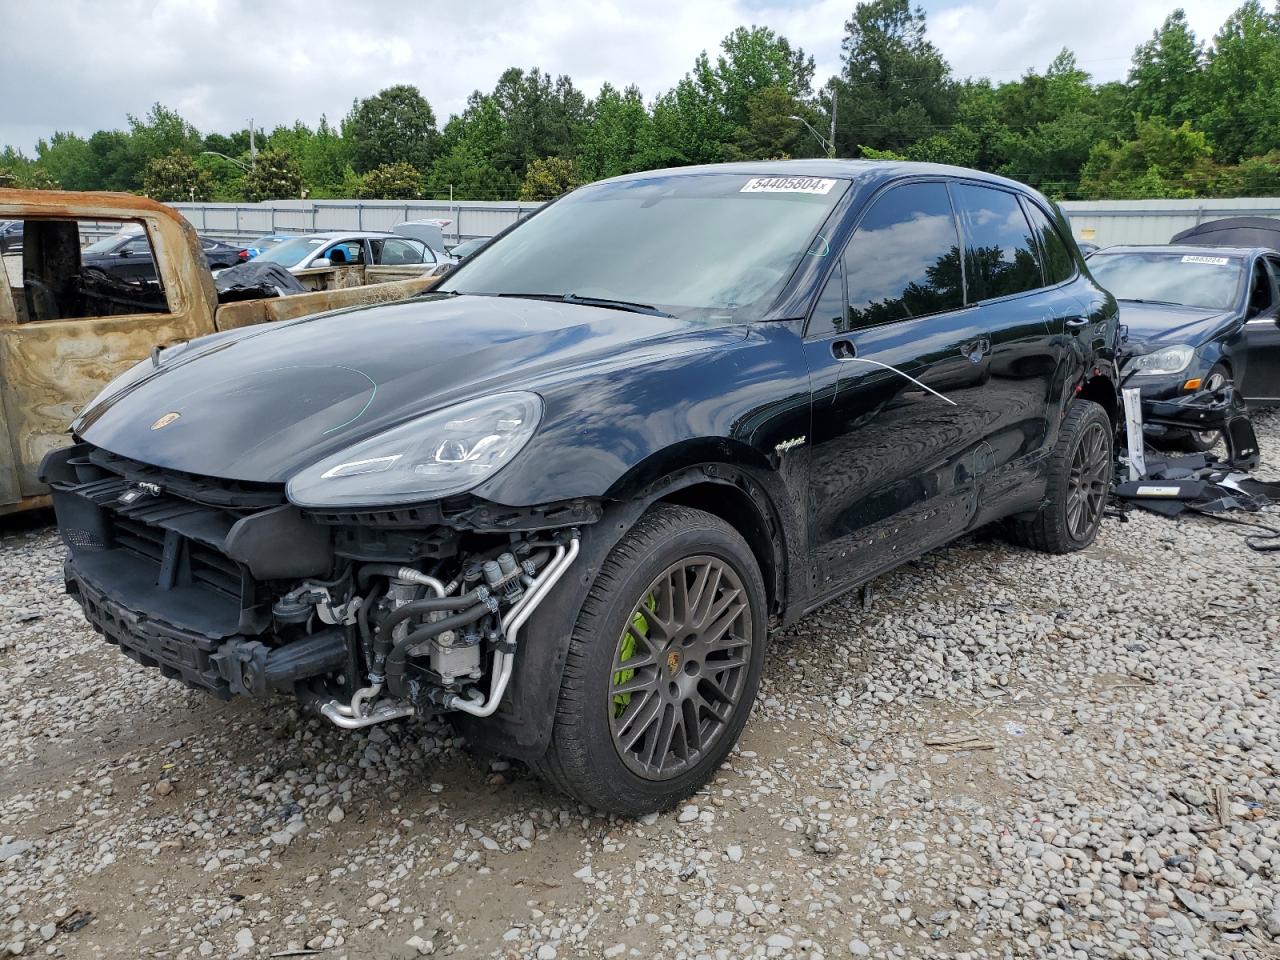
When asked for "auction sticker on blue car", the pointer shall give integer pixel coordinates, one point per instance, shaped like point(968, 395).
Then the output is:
point(788, 185)
point(1216, 261)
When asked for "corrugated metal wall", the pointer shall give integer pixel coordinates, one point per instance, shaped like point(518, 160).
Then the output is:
point(471, 218)
point(1104, 222)
point(1107, 222)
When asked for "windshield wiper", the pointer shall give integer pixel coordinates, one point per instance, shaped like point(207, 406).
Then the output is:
point(1163, 303)
point(627, 305)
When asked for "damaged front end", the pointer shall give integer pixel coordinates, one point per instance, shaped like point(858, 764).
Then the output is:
point(368, 615)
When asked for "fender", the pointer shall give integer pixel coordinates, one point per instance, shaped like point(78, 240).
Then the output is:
point(522, 726)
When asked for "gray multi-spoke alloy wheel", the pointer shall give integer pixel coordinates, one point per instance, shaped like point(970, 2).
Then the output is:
point(1080, 470)
point(1089, 480)
point(663, 666)
point(680, 667)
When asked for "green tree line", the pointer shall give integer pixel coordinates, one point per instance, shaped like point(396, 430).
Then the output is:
point(1193, 118)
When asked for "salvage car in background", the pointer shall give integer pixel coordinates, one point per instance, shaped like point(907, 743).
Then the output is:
point(1205, 315)
point(128, 255)
point(10, 236)
point(67, 327)
point(260, 245)
point(468, 247)
point(344, 248)
point(561, 499)
point(1262, 339)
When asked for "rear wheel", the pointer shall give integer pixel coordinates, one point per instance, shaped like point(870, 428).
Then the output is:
point(663, 666)
point(1081, 469)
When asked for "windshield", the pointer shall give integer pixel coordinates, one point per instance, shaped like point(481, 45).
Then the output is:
point(1193, 280)
point(714, 247)
point(292, 252)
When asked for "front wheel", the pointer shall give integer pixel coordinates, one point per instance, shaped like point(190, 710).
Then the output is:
point(1081, 468)
point(1201, 441)
point(663, 665)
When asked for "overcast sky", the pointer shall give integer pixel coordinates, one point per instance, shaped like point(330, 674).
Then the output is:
point(82, 66)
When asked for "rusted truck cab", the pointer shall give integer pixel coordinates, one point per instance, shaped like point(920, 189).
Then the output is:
point(67, 328)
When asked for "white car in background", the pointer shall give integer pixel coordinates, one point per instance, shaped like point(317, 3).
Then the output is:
point(339, 248)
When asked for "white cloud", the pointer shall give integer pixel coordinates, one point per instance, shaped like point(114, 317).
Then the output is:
point(80, 66)
point(1002, 38)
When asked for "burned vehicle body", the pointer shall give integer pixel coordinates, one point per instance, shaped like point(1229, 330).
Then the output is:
point(68, 327)
point(560, 498)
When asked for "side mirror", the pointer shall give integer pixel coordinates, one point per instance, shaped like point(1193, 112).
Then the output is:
point(126, 252)
point(321, 262)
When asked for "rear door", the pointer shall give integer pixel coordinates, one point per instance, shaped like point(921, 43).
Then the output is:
point(1261, 382)
point(1027, 316)
point(398, 252)
point(896, 366)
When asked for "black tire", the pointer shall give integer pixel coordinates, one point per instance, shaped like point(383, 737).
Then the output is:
point(1054, 528)
point(586, 758)
point(1198, 441)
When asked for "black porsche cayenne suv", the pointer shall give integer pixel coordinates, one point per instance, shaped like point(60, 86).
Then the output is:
point(562, 497)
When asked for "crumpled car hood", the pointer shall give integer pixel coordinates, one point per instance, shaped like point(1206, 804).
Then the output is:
point(1168, 324)
point(261, 403)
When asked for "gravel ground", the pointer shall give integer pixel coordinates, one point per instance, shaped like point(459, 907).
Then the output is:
point(1009, 755)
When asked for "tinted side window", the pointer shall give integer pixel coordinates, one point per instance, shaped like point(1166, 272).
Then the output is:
point(904, 259)
point(1000, 253)
point(828, 315)
point(1273, 268)
point(1058, 264)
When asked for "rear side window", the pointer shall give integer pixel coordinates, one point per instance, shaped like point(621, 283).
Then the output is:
point(904, 259)
point(1001, 257)
point(1057, 261)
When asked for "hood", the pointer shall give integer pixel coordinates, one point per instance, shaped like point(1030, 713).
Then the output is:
point(261, 403)
point(1168, 324)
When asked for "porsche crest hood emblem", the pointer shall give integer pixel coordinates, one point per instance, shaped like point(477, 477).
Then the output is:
point(164, 421)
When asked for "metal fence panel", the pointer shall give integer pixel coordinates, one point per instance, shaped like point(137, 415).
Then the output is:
point(1108, 222)
point(243, 221)
point(1104, 222)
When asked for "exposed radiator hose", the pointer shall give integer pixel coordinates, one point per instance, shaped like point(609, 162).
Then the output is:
point(349, 716)
point(504, 662)
point(475, 604)
point(408, 574)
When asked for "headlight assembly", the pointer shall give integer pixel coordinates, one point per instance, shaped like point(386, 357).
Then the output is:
point(437, 455)
point(1166, 360)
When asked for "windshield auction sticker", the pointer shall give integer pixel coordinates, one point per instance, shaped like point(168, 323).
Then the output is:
point(788, 185)
point(1216, 261)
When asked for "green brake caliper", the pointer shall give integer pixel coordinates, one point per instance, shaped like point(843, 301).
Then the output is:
point(627, 650)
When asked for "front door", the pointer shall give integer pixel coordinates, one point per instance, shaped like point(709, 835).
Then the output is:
point(1261, 381)
point(897, 365)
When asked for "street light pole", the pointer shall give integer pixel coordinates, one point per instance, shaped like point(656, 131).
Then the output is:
point(831, 144)
point(215, 153)
point(827, 149)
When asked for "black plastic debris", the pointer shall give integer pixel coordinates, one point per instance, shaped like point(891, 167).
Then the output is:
point(255, 280)
point(1172, 484)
